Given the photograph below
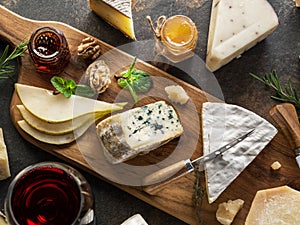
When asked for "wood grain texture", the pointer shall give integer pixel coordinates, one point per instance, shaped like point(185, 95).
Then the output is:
point(176, 197)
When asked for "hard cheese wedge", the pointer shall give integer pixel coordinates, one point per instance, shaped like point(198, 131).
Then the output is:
point(236, 26)
point(275, 206)
point(222, 123)
point(4, 166)
point(117, 13)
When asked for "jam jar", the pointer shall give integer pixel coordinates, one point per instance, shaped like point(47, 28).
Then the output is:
point(178, 36)
point(49, 50)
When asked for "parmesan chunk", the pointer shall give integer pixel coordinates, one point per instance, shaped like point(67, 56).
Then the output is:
point(275, 206)
point(276, 165)
point(177, 94)
point(236, 26)
point(4, 166)
point(228, 210)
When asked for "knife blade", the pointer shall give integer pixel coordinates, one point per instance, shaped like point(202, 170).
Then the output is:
point(285, 116)
point(183, 167)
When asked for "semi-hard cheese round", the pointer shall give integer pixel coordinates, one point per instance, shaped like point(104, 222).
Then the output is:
point(275, 206)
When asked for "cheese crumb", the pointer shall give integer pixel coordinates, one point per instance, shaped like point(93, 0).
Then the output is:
point(276, 165)
point(228, 210)
point(4, 167)
point(177, 94)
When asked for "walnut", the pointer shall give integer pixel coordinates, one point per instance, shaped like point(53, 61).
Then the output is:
point(98, 76)
point(89, 48)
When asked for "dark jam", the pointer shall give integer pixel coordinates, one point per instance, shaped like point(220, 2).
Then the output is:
point(49, 50)
point(46, 196)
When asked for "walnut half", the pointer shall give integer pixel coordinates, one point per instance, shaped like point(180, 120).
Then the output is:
point(89, 48)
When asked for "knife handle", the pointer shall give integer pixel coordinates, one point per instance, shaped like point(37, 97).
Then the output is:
point(285, 116)
point(165, 173)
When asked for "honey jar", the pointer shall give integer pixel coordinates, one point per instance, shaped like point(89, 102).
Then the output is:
point(49, 50)
point(178, 35)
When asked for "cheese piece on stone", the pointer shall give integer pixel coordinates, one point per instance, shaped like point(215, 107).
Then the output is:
point(138, 131)
point(236, 26)
point(275, 206)
point(4, 165)
point(117, 13)
point(136, 219)
point(221, 124)
point(227, 211)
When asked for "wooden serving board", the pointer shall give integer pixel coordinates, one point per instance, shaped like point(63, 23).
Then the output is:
point(176, 197)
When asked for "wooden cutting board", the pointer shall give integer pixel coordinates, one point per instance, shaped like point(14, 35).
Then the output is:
point(176, 197)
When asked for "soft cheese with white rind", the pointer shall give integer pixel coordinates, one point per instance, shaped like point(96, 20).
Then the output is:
point(221, 124)
point(235, 26)
point(118, 13)
point(57, 108)
point(4, 164)
point(138, 131)
point(275, 206)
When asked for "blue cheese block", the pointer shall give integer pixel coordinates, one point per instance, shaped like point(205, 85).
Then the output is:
point(138, 131)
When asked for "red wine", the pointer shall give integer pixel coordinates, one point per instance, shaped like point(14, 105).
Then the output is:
point(46, 196)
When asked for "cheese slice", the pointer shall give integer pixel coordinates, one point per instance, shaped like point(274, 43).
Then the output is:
point(223, 123)
point(117, 13)
point(4, 165)
point(275, 206)
point(236, 26)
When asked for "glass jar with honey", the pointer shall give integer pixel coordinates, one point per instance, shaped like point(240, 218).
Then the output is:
point(178, 35)
point(49, 50)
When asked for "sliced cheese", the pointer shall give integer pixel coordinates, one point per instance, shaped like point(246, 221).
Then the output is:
point(4, 164)
point(136, 219)
point(117, 13)
point(236, 26)
point(223, 123)
point(275, 206)
point(227, 211)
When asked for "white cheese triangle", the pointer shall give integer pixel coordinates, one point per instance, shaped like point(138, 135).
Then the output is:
point(222, 123)
point(117, 13)
point(236, 26)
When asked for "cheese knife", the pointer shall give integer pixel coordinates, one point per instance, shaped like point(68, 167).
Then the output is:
point(285, 116)
point(183, 167)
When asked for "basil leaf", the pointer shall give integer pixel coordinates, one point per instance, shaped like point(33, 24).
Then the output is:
point(59, 83)
point(84, 91)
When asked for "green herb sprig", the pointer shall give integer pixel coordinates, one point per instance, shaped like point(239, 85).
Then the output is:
point(5, 68)
point(198, 196)
point(69, 87)
point(285, 93)
point(135, 80)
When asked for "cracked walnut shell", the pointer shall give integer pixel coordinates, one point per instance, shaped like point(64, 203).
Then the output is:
point(98, 76)
point(89, 48)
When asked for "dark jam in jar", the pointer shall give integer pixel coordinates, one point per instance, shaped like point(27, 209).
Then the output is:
point(49, 50)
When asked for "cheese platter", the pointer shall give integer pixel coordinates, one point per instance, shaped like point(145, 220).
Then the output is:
point(176, 197)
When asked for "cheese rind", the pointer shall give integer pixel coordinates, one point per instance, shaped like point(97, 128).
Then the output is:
point(117, 13)
point(275, 206)
point(138, 131)
point(4, 164)
point(236, 26)
point(221, 124)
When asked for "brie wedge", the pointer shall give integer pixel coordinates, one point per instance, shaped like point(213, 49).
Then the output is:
point(4, 165)
point(275, 206)
point(223, 123)
point(138, 131)
point(235, 26)
point(117, 13)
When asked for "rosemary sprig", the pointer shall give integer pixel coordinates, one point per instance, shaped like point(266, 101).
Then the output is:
point(286, 93)
point(198, 196)
point(5, 68)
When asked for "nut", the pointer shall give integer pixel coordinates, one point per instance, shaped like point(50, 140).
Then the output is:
point(89, 48)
